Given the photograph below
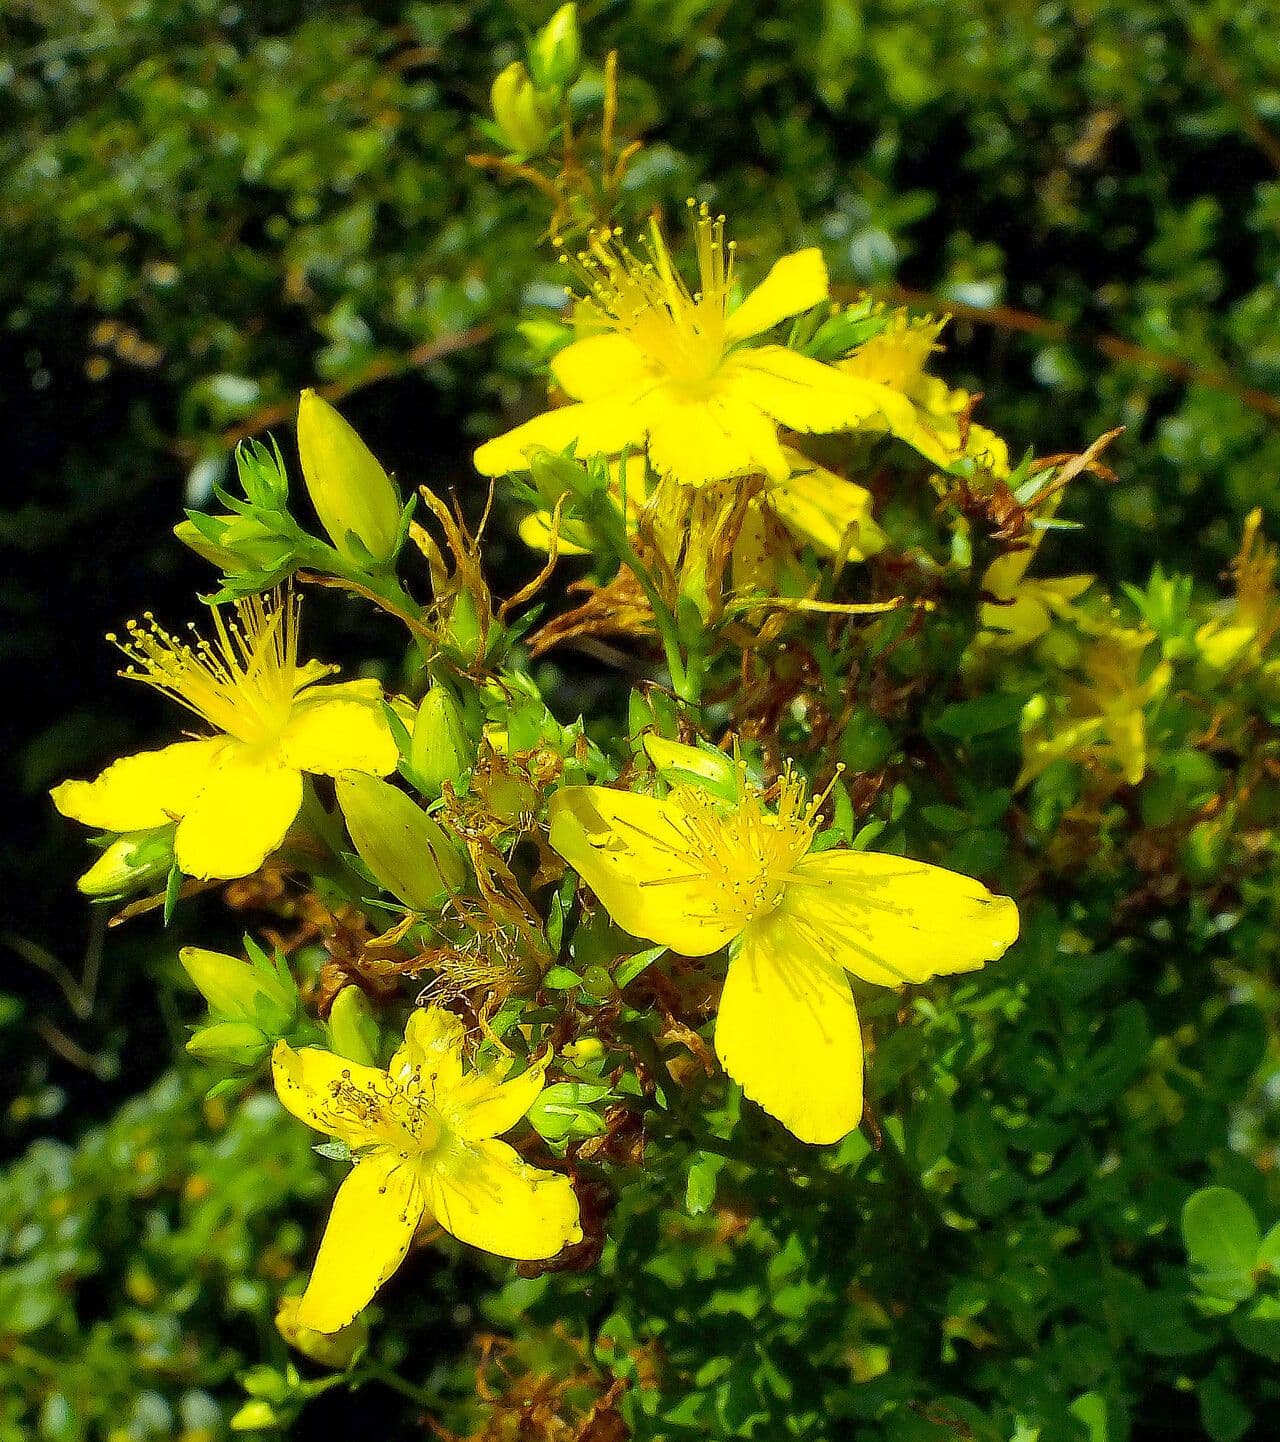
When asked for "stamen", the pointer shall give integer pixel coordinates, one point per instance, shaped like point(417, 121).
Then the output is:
point(243, 682)
point(644, 297)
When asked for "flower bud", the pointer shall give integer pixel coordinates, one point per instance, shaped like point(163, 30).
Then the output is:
point(255, 1416)
point(335, 1350)
point(463, 629)
point(131, 862)
point(234, 543)
point(353, 1029)
point(555, 54)
point(517, 111)
point(681, 765)
point(589, 1049)
point(404, 849)
point(555, 475)
point(441, 750)
point(230, 1043)
point(352, 494)
point(242, 991)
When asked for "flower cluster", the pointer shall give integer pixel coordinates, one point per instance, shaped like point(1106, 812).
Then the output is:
point(488, 921)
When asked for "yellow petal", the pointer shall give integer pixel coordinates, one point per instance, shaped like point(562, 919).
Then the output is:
point(1074, 740)
point(479, 1108)
point(631, 854)
point(787, 1032)
point(832, 514)
point(600, 366)
point(700, 436)
point(323, 1089)
point(1002, 576)
point(485, 1194)
point(329, 734)
point(597, 427)
point(535, 532)
point(240, 816)
point(433, 1041)
point(805, 395)
point(795, 283)
point(375, 1214)
point(140, 792)
point(1019, 621)
point(1127, 734)
point(891, 921)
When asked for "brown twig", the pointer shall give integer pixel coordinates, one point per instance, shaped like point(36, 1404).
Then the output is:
point(380, 369)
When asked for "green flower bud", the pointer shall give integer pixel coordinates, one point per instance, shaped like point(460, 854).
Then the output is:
point(131, 862)
point(463, 629)
point(518, 112)
point(234, 543)
point(681, 765)
point(353, 1028)
point(406, 851)
point(555, 475)
point(352, 494)
point(230, 1043)
point(255, 1416)
point(242, 991)
point(441, 750)
point(555, 55)
point(335, 1350)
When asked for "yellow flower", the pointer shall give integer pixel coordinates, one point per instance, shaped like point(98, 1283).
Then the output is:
point(673, 370)
point(1105, 720)
point(234, 795)
point(1024, 609)
point(696, 874)
point(933, 422)
point(1249, 623)
point(423, 1136)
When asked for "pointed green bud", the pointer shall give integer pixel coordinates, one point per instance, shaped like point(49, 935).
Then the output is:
point(555, 55)
point(404, 849)
point(242, 991)
point(255, 1416)
point(352, 494)
point(234, 544)
point(518, 113)
point(353, 1028)
point(463, 629)
point(131, 862)
point(555, 475)
point(441, 750)
point(230, 1043)
point(680, 765)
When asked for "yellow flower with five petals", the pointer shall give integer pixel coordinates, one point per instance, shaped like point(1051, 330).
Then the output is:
point(695, 873)
point(234, 795)
point(424, 1138)
point(684, 375)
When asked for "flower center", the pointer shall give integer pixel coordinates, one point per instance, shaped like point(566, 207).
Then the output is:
point(742, 859)
point(242, 682)
point(397, 1112)
point(646, 299)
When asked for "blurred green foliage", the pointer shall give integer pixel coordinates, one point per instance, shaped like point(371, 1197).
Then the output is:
point(205, 206)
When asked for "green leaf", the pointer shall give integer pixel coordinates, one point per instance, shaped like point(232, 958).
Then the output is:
point(1224, 1416)
point(979, 717)
point(630, 967)
point(700, 1189)
point(561, 978)
point(335, 1151)
point(1222, 1239)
